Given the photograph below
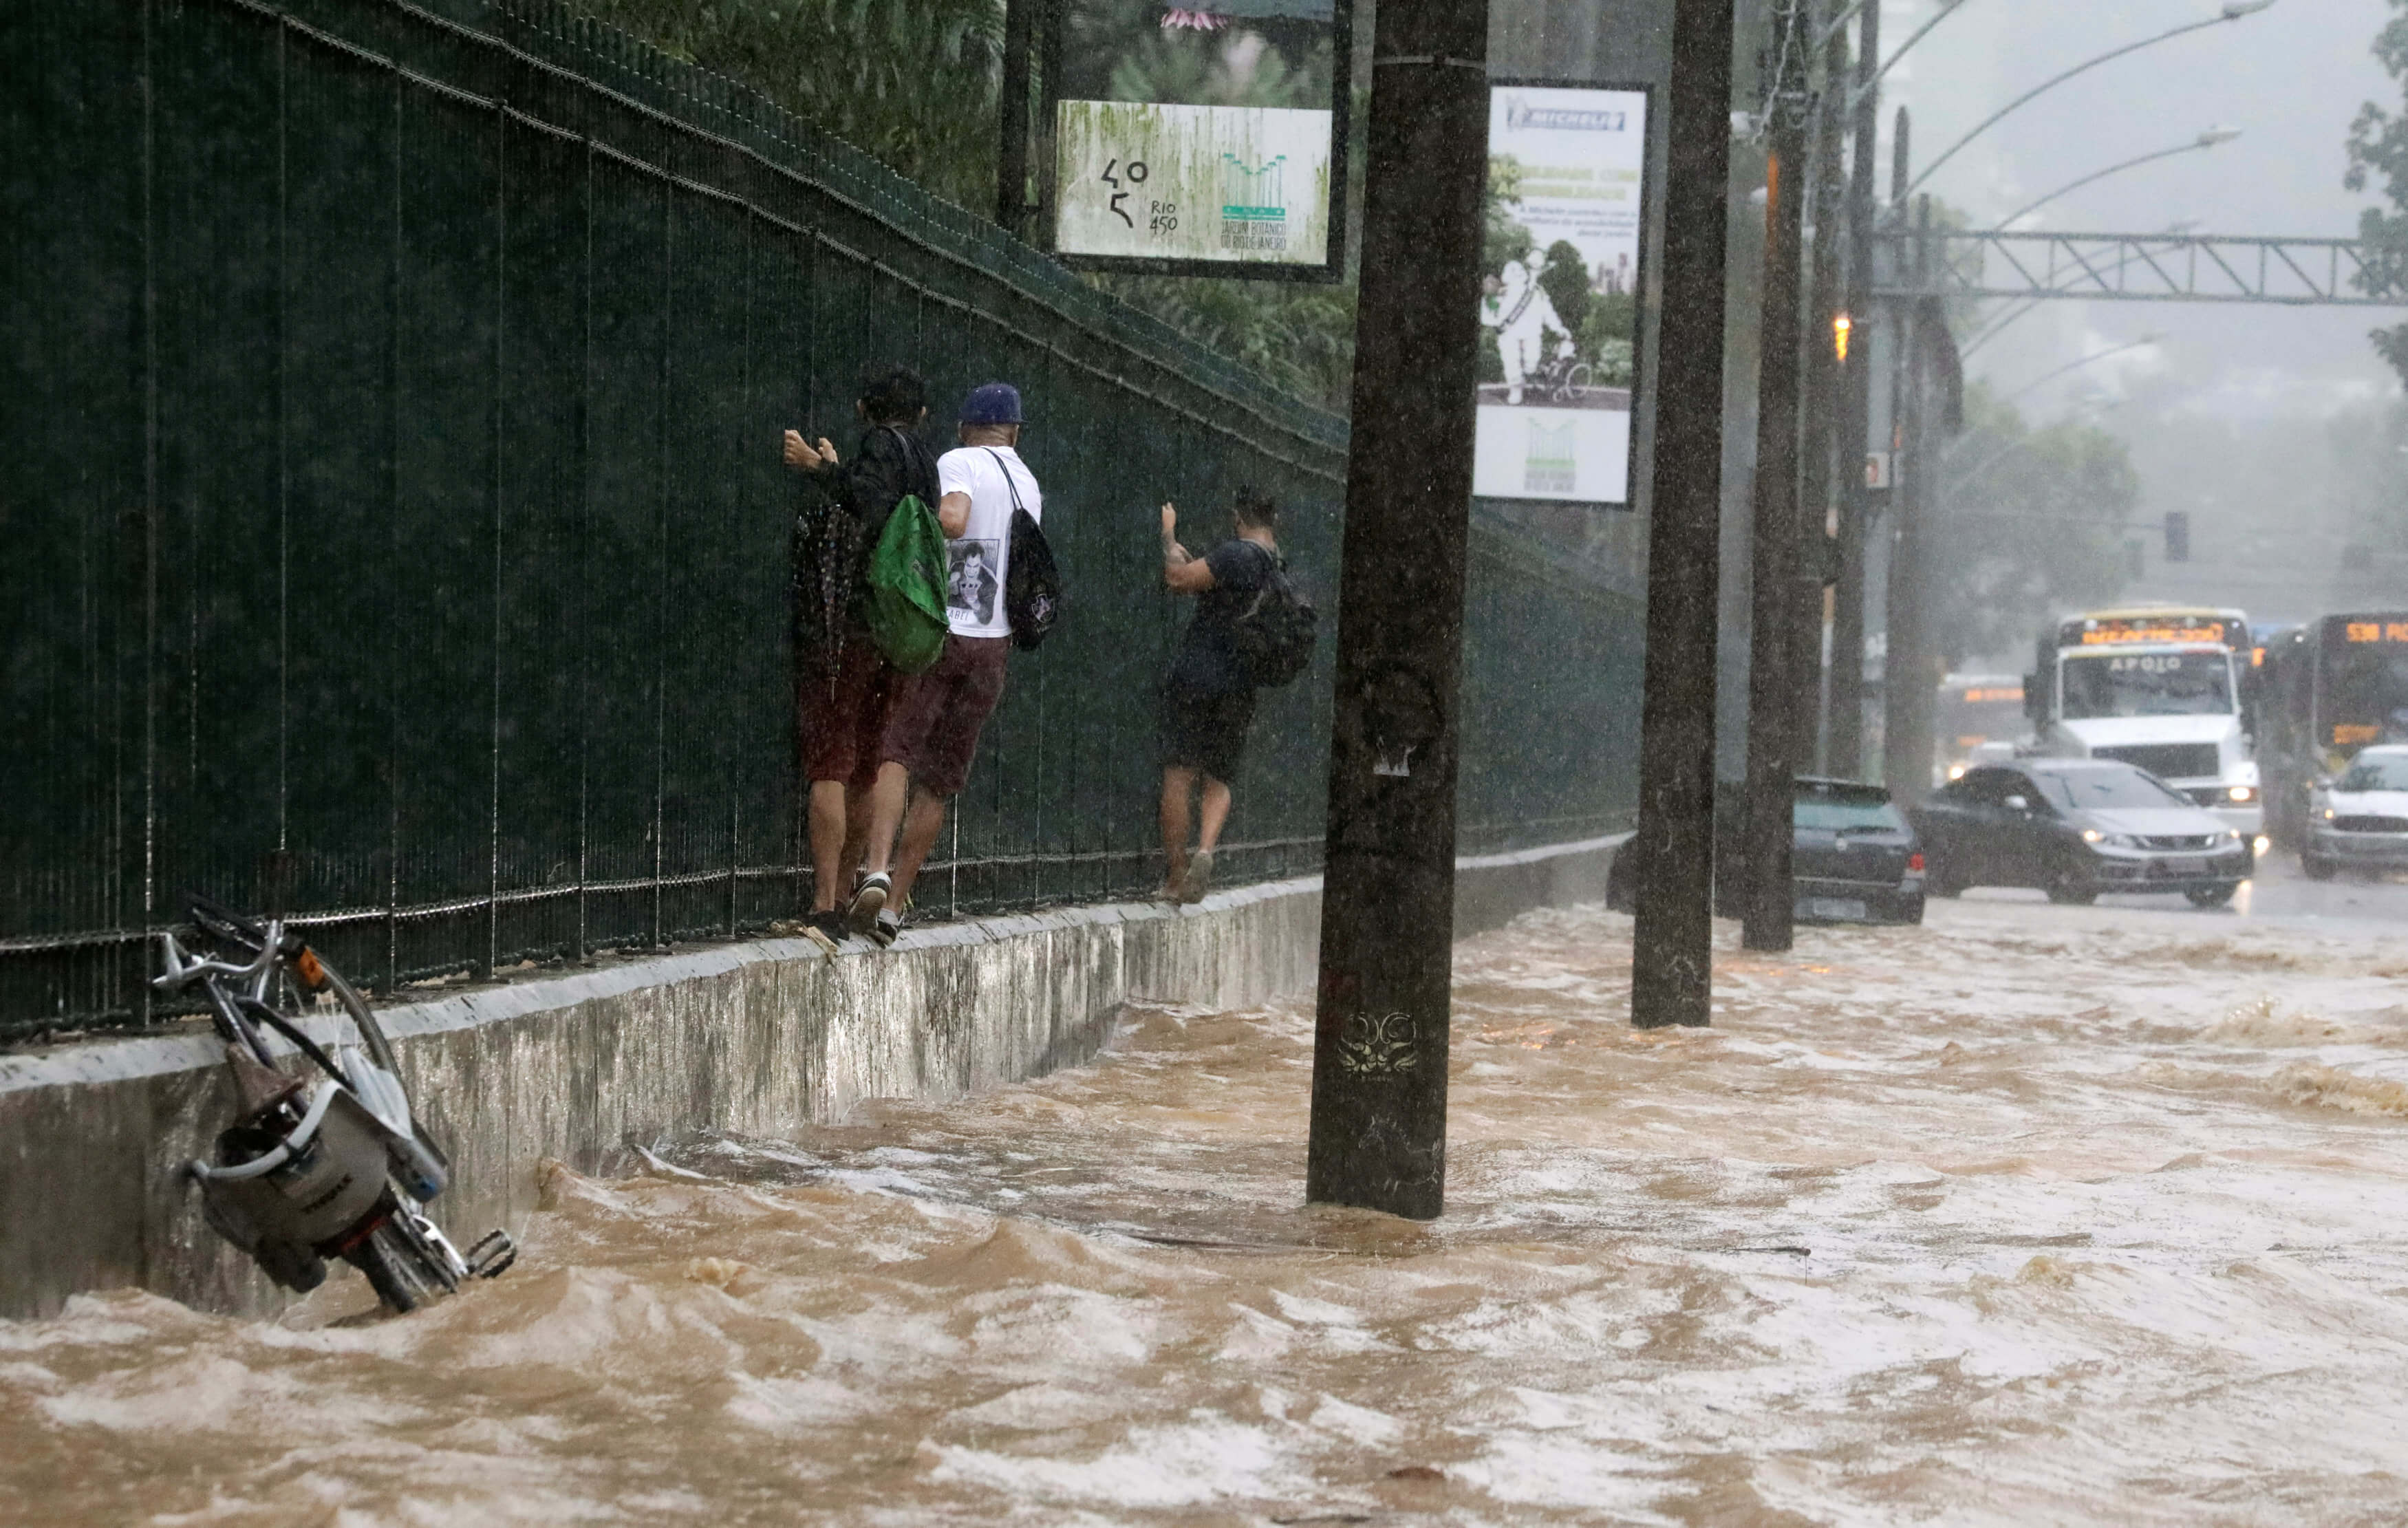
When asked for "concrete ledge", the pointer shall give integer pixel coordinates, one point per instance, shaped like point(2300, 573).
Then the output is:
point(759, 1037)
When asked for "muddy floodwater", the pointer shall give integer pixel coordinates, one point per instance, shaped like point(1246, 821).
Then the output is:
point(2033, 1216)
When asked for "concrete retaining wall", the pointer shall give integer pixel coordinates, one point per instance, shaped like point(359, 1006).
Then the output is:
point(756, 1037)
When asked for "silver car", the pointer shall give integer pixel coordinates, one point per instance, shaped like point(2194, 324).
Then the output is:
point(2361, 817)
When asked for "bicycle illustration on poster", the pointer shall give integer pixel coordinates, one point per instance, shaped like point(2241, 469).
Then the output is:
point(1561, 268)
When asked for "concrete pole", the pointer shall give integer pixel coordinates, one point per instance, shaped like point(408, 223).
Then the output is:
point(1844, 734)
point(1378, 1137)
point(1909, 680)
point(1774, 704)
point(1671, 965)
point(1822, 395)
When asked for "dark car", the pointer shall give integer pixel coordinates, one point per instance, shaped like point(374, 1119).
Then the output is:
point(2075, 828)
point(1853, 858)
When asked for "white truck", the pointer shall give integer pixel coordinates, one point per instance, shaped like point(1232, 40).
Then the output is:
point(2171, 690)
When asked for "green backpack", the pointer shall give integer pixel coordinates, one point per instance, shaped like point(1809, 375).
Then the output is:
point(907, 588)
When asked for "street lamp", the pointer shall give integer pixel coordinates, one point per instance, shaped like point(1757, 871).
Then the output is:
point(2208, 139)
point(2233, 11)
point(2092, 359)
point(1947, 8)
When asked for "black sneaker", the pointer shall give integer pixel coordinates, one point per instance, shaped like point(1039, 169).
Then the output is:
point(827, 930)
point(882, 933)
point(868, 901)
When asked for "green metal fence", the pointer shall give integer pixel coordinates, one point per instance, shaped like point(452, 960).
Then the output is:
point(394, 535)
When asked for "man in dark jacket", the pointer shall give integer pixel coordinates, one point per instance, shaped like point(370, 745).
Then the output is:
point(1208, 698)
point(845, 691)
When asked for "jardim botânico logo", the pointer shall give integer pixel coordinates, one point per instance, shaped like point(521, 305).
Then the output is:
point(1254, 202)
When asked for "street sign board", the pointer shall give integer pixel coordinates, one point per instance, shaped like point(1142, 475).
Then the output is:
point(1560, 285)
point(1201, 140)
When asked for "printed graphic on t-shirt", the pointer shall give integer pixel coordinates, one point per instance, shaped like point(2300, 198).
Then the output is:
point(971, 587)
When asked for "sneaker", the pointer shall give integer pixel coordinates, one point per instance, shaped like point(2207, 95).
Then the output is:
point(826, 929)
point(882, 933)
point(868, 901)
point(1200, 876)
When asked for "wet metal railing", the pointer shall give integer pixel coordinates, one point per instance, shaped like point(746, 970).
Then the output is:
point(396, 539)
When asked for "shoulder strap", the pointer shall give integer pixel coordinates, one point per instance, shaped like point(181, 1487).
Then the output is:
point(1005, 467)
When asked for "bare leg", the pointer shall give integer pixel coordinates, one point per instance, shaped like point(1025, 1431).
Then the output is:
point(856, 826)
point(920, 825)
point(1216, 810)
point(886, 800)
point(828, 857)
point(1177, 780)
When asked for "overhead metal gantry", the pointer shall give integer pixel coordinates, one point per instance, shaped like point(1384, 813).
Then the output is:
point(2143, 267)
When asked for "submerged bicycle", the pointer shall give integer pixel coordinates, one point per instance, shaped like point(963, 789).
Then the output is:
point(329, 1162)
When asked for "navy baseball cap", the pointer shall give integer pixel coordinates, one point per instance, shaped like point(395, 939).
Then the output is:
point(991, 403)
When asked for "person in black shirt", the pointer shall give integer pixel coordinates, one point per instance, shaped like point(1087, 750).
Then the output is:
point(845, 691)
point(1208, 701)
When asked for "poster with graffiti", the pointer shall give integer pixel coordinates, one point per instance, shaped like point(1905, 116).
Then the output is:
point(1200, 138)
point(1559, 293)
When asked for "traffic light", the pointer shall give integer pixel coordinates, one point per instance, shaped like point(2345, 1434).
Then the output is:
point(1841, 326)
point(2177, 537)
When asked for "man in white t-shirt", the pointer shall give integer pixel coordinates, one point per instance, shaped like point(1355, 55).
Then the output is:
point(935, 730)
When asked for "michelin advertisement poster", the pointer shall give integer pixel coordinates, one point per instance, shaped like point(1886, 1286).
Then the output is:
point(1559, 293)
point(1197, 134)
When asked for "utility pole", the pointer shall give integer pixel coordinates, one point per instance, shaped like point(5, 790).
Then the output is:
point(1844, 735)
point(1908, 681)
point(1816, 572)
point(1011, 165)
point(1378, 1137)
point(1774, 705)
point(1671, 962)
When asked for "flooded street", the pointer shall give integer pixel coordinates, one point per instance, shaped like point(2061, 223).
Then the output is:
point(2034, 1215)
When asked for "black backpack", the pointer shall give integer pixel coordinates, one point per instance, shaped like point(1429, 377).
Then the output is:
point(1032, 586)
point(1274, 634)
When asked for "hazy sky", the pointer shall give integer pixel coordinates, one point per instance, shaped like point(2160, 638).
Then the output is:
point(2202, 402)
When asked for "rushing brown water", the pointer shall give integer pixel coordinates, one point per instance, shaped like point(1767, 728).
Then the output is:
point(2035, 1215)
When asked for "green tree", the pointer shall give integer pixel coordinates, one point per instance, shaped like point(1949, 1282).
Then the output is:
point(2029, 522)
point(2379, 149)
point(912, 82)
point(915, 83)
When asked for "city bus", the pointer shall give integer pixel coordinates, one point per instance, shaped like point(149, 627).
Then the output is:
point(2170, 689)
point(1977, 711)
point(2333, 686)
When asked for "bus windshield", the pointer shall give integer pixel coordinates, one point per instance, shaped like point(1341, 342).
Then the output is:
point(2107, 684)
point(2366, 693)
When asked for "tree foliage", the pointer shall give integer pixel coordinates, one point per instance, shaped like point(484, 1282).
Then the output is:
point(2379, 149)
point(912, 82)
point(2031, 523)
point(916, 84)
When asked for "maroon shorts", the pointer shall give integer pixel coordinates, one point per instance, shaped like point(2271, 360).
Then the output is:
point(934, 732)
point(842, 708)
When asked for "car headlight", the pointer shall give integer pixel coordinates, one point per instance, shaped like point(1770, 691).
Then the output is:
point(2113, 841)
point(2329, 814)
point(2242, 793)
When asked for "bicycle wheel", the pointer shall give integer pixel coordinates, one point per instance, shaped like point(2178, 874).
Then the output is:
point(404, 1269)
point(1577, 380)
